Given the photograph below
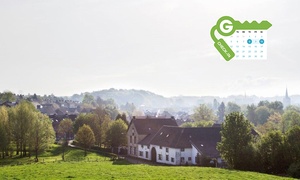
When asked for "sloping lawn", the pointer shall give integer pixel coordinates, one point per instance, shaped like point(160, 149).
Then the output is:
point(95, 166)
point(109, 170)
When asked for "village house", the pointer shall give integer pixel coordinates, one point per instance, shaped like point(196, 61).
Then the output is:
point(144, 127)
point(161, 140)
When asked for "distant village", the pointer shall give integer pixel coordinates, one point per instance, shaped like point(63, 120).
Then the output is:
point(58, 108)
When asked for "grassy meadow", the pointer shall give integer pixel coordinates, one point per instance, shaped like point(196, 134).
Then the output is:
point(95, 166)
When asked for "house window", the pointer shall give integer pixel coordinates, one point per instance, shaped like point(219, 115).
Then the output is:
point(182, 149)
point(167, 149)
point(141, 153)
point(142, 146)
point(159, 157)
point(130, 150)
point(167, 157)
point(134, 139)
point(148, 146)
point(134, 149)
point(147, 154)
point(172, 159)
point(189, 158)
point(160, 147)
point(182, 159)
point(130, 139)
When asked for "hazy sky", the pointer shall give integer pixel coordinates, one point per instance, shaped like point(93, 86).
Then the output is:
point(71, 46)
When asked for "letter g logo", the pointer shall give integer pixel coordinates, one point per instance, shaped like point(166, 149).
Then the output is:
point(225, 26)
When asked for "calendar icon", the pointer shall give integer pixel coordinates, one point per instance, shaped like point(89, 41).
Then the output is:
point(240, 40)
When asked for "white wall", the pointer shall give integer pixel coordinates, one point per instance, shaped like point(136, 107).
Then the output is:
point(175, 153)
point(144, 149)
point(194, 154)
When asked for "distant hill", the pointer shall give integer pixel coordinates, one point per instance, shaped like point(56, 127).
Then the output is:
point(151, 100)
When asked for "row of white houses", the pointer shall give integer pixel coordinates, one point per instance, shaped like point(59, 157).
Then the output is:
point(161, 140)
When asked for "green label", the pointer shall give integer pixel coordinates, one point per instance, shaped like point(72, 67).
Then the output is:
point(224, 49)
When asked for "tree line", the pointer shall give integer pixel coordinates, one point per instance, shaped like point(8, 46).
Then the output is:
point(24, 130)
point(275, 149)
point(264, 116)
point(275, 152)
point(96, 129)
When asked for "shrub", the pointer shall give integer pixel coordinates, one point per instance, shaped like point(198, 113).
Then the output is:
point(294, 170)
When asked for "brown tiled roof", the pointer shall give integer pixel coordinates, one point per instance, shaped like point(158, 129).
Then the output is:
point(150, 125)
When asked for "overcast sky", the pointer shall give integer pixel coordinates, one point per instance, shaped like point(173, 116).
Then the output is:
point(72, 46)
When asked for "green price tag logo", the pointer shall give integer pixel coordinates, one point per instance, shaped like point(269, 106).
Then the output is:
point(227, 26)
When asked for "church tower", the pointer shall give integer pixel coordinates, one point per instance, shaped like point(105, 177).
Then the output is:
point(286, 99)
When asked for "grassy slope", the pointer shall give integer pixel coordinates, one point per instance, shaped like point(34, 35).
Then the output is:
point(98, 167)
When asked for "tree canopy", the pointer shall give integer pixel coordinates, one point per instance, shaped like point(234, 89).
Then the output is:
point(116, 134)
point(85, 137)
point(236, 139)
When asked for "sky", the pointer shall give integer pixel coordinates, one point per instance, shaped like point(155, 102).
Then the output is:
point(64, 47)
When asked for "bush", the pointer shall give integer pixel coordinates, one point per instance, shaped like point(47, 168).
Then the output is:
point(294, 170)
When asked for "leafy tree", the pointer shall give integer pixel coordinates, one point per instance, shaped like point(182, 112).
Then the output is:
point(203, 113)
point(251, 116)
point(290, 118)
point(102, 121)
point(274, 122)
point(232, 107)
point(123, 117)
point(198, 124)
point(128, 107)
point(203, 123)
point(272, 153)
point(293, 144)
point(221, 112)
point(236, 140)
point(187, 125)
point(82, 119)
point(112, 111)
point(263, 103)
point(216, 104)
point(88, 99)
point(42, 133)
point(116, 134)
point(85, 137)
point(21, 118)
point(293, 108)
point(4, 131)
point(276, 106)
point(65, 129)
point(262, 114)
point(7, 96)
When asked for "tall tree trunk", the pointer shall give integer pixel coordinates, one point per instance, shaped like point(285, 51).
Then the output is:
point(24, 150)
point(63, 154)
point(36, 155)
point(17, 147)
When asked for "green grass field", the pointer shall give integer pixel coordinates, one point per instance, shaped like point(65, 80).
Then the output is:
point(95, 166)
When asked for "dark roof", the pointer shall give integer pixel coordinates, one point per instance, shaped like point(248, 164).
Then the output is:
point(150, 125)
point(49, 110)
point(8, 104)
point(205, 139)
point(61, 111)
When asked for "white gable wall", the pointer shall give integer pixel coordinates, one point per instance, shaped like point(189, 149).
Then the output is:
point(194, 154)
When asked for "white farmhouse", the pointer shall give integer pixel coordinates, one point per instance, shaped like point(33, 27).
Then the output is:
point(170, 144)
